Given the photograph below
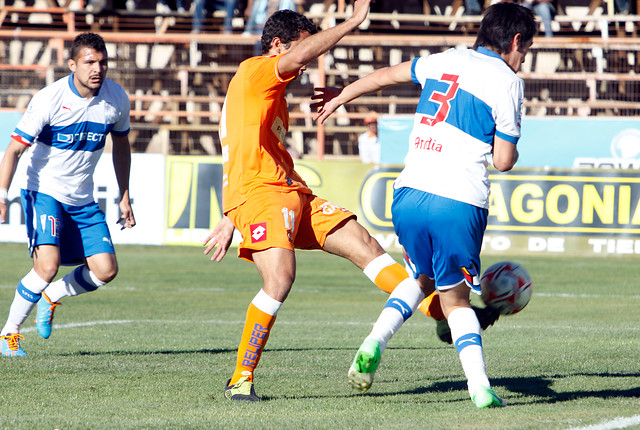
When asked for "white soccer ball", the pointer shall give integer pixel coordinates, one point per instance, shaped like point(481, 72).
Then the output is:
point(506, 287)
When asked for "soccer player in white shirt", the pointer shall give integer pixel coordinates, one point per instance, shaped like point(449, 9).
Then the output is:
point(62, 135)
point(470, 107)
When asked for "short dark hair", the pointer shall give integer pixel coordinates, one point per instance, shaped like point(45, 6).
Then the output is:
point(501, 22)
point(87, 40)
point(286, 25)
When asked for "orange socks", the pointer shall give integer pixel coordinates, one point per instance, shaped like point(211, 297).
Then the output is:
point(385, 272)
point(254, 338)
point(430, 306)
point(261, 315)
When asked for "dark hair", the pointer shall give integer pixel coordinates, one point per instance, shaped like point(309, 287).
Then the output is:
point(501, 22)
point(87, 40)
point(286, 25)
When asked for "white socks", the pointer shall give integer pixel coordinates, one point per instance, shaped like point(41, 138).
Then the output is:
point(266, 303)
point(465, 332)
point(80, 280)
point(402, 302)
point(27, 295)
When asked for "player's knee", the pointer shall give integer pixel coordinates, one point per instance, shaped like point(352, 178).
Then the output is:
point(47, 270)
point(110, 275)
point(370, 250)
point(106, 274)
point(370, 245)
point(374, 246)
point(278, 287)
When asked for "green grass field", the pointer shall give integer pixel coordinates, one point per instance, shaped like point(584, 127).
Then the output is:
point(153, 350)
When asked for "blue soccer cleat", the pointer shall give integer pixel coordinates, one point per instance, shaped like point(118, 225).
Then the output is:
point(10, 345)
point(44, 316)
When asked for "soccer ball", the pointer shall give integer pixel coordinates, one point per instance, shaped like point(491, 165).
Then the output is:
point(506, 287)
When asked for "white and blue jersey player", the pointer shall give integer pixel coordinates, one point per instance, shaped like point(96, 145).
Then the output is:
point(470, 107)
point(62, 135)
point(441, 197)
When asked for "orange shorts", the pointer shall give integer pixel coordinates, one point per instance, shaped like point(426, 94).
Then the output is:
point(290, 220)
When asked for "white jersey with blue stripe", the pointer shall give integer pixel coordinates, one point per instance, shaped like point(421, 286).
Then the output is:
point(468, 97)
point(67, 134)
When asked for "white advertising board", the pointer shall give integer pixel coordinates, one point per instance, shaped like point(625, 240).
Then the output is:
point(146, 190)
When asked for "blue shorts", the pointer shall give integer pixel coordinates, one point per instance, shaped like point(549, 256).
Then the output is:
point(441, 237)
point(79, 231)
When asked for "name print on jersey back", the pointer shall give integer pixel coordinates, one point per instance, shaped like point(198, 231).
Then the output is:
point(429, 144)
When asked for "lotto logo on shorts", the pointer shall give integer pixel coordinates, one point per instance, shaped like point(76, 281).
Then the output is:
point(258, 232)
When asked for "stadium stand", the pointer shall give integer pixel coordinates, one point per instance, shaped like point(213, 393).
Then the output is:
point(177, 80)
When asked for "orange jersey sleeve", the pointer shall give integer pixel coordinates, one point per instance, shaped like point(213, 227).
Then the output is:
point(253, 127)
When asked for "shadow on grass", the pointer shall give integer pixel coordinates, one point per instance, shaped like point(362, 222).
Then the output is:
point(541, 387)
point(525, 390)
point(209, 351)
point(132, 353)
point(532, 390)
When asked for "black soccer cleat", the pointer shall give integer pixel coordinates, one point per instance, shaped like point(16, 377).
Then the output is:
point(486, 316)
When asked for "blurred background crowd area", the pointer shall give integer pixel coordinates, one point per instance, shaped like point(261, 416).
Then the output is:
point(175, 59)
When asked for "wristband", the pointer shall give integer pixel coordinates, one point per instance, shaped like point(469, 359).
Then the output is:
point(3, 195)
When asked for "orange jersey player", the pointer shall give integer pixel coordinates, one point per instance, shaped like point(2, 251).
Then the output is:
point(254, 124)
point(267, 201)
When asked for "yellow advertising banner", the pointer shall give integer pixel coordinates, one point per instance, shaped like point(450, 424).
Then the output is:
point(577, 212)
point(193, 198)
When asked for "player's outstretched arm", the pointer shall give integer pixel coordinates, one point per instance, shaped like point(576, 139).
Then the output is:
point(221, 235)
point(312, 47)
point(122, 166)
point(330, 99)
point(7, 170)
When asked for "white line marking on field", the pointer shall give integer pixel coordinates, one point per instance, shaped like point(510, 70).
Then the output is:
point(415, 322)
point(585, 296)
point(237, 322)
point(616, 423)
point(303, 289)
point(84, 324)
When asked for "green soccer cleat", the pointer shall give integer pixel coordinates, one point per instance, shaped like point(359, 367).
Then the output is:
point(44, 316)
point(242, 391)
point(484, 397)
point(364, 365)
point(10, 345)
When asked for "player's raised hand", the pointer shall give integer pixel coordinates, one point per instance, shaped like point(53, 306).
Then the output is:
point(325, 102)
point(221, 236)
point(361, 10)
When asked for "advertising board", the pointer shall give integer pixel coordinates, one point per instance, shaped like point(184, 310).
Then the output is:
point(146, 191)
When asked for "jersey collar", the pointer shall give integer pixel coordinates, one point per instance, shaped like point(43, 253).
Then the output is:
point(489, 52)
